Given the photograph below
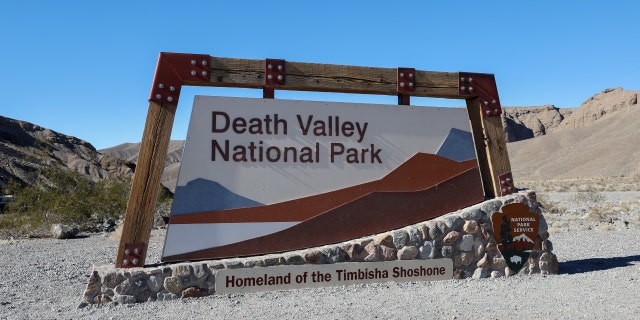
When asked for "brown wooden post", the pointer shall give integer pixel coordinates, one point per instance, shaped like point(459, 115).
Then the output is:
point(146, 182)
point(172, 71)
point(498, 157)
point(479, 139)
point(483, 105)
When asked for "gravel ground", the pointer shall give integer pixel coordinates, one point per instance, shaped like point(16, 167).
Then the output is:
point(600, 279)
point(606, 211)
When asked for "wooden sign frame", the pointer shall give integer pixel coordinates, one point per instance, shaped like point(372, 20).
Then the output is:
point(174, 70)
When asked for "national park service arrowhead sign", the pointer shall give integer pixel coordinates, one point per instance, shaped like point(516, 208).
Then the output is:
point(515, 230)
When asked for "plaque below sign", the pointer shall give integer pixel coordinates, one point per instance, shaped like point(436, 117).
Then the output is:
point(515, 230)
point(326, 275)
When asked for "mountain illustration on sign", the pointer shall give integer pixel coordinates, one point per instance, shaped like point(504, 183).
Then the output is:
point(205, 195)
point(417, 186)
point(522, 237)
point(457, 146)
point(424, 186)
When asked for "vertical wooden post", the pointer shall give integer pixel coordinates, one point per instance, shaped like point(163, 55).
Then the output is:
point(491, 148)
point(483, 104)
point(145, 187)
point(172, 71)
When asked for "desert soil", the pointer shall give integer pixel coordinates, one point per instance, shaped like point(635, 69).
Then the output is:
point(599, 277)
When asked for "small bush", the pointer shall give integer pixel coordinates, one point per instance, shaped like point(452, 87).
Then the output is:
point(589, 196)
point(67, 197)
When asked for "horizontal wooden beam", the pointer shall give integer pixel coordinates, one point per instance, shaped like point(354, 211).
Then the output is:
point(301, 76)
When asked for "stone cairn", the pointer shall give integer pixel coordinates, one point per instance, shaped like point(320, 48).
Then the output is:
point(465, 236)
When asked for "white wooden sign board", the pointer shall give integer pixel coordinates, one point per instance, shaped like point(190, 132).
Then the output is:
point(254, 168)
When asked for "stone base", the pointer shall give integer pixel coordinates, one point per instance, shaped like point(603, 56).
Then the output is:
point(465, 236)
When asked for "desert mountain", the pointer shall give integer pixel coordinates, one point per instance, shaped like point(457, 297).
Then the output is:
point(598, 139)
point(600, 105)
point(129, 152)
point(26, 147)
point(521, 123)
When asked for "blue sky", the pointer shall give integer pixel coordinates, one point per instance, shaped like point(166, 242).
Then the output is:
point(84, 68)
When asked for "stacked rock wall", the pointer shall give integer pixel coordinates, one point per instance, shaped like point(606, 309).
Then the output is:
point(465, 236)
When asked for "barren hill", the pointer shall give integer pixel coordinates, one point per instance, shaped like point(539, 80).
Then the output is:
point(129, 152)
point(598, 106)
point(26, 147)
point(598, 139)
point(522, 123)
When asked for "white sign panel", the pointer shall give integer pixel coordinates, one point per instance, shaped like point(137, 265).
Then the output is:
point(255, 168)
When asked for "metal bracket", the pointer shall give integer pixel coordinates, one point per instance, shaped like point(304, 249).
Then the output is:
point(132, 255)
point(506, 184)
point(483, 86)
point(275, 74)
point(405, 84)
point(175, 69)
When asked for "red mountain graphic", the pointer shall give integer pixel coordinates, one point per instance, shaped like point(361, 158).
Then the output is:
point(424, 187)
point(418, 173)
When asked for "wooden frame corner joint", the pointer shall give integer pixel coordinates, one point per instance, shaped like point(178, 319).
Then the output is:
point(482, 86)
point(176, 69)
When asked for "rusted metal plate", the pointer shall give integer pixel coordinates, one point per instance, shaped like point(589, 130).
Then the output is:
point(175, 69)
point(506, 184)
point(275, 72)
point(132, 255)
point(515, 230)
point(406, 80)
point(483, 86)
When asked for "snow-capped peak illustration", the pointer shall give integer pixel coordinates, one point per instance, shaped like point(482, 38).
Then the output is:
point(522, 237)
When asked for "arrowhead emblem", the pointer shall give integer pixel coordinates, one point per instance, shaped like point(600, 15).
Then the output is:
point(515, 230)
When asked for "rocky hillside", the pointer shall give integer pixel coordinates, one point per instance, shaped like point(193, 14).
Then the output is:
point(598, 139)
point(26, 147)
point(129, 152)
point(521, 123)
point(600, 105)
